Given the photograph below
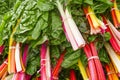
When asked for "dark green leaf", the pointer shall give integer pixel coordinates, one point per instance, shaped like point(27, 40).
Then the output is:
point(103, 56)
point(71, 59)
point(33, 61)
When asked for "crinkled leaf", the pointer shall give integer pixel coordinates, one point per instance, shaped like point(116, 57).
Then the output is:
point(45, 5)
point(37, 30)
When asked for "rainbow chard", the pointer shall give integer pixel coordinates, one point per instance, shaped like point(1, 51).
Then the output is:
point(45, 62)
point(72, 75)
point(56, 69)
point(91, 63)
point(113, 56)
point(21, 61)
point(74, 29)
point(115, 14)
point(1, 48)
point(115, 38)
point(96, 25)
point(98, 64)
point(111, 72)
point(70, 28)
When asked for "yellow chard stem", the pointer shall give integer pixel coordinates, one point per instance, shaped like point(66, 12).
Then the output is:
point(114, 75)
point(10, 44)
point(93, 18)
point(117, 11)
point(82, 70)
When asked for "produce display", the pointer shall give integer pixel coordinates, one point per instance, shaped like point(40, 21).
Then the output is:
point(60, 40)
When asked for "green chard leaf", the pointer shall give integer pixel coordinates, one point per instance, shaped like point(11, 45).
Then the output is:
point(103, 56)
point(107, 36)
point(45, 5)
point(33, 61)
point(71, 59)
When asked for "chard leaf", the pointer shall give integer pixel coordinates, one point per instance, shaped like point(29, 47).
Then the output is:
point(45, 5)
point(83, 58)
point(108, 2)
point(100, 7)
point(92, 38)
point(33, 61)
point(71, 59)
point(107, 36)
point(41, 24)
point(103, 56)
point(90, 2)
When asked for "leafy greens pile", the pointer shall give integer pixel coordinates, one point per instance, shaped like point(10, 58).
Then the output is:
point(36, 21)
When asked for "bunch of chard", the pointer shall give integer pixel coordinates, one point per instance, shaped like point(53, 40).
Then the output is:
point(45, 70)
point(111, 74)
point(96, 25)
point(15, 63)
point(115, 14)
point(71, 31)
point(115, 58)
point(115, 38)
point(21, 75)
point(94, 64)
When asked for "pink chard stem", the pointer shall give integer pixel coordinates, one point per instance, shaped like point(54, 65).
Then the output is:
point(98, 64)
point(45, 69)
point(25, 53)
point(91, 63)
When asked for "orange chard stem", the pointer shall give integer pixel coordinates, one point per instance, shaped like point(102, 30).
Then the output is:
point(3, 70)
point(4, 75)
point(108, 71)
point(88, 72)
point(11, 59)
point(114, 18)
point(88, 18)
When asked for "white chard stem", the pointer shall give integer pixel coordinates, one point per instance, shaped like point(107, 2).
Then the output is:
point(113, 56)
